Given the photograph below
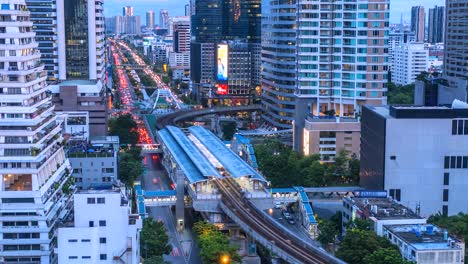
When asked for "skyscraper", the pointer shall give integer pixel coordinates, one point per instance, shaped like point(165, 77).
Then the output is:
point(456, 39)
point(278, 76)
point(150, 19)
point(35, 188)
point(127, 11)
point(187, 10)
point(342, 62)
point(436, 24)
point(418, 22)
point(46, 25)
point(164, 18)
point(181, 35)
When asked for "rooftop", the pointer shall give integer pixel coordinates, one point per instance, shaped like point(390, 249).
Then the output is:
point(201, 155)
point(424, 237)
point(83, 149)
point(382, 208)
point(419, 112)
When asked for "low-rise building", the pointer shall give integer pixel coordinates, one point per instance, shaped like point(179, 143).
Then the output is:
point(425, 244)
point(94, 163)
point(103, 229)
point(380, 211)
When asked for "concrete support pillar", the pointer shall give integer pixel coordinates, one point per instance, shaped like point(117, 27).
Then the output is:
point(180, 205)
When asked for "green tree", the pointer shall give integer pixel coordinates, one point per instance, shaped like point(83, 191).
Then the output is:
point(456, 225)
point(327, 232)
point(357, 244)
point(385, 256)
point(125, 128)
point(214, 245)
point(229, 129)
point(154, 240)
point(360, 224)
point(129, 168)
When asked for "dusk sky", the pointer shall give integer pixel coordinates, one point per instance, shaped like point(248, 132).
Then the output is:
point(176, 7)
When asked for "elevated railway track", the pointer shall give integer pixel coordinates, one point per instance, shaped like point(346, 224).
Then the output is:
point(290, 247)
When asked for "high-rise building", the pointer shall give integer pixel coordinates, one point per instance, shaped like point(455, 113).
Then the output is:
point(150, 19)
point(187, 10)
point(181, 35)
point(410, 60)
point(278, 76)
point(164, 18)
point(36, 187)
point(418, 22)
point(241, 20)
point(82, 61)
point(342, 64)
point(456, 39)
point(418, 155)
point(397, 38)
point(127, 11)
point(127, 25)
point(207, 21)
point(436, 24)
point(47, 35)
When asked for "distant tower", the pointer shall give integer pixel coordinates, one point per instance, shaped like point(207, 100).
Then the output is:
point(150, 19)
point(187, 10)
point(164, 18)
point(436, 24)
point(418, 22)
point(127, 11)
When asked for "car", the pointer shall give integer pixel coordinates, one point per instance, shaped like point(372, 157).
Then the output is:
point(155, 180)
point(278, 205)
point(291, 221)
point(286, 214)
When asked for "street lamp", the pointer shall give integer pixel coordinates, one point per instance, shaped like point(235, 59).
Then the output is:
point(225, 259)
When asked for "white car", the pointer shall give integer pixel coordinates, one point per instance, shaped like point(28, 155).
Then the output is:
point(278, 205)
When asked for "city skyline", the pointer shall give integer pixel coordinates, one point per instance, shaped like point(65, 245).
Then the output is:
point(177, 8)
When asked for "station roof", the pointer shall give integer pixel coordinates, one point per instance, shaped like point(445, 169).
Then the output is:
point(231, 161)
point(191, 172)
point(200, 154)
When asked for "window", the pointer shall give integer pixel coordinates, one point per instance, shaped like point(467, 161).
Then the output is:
point(393, 157)
point(72, 257)
point(445, 210)
point(446, 162)
point(456, 162)
point(86, 257)
point(459, 162)
point(102, 222)
point(446, 178)
point(103, 257)
point(72, 240)
point(102, 240)
point(91, 200)
point(91, 223)
point(465, 162)
point(85, 240)
point(395, 194)
point(101, 200)
point(446, 195)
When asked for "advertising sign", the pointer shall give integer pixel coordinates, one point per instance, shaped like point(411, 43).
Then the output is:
point(222, 62)
point(222, 88)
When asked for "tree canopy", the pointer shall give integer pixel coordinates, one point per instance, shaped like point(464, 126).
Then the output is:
point(284, 167)
point(129, 168)
point(155, 260)
point(214, 245)
point(385, 256)
point(154, 240)
point(125, 128)
point(456, 225)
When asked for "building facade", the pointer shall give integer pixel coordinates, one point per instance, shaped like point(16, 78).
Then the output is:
point(94, 161)
point(456, 39)
point(409, 61)
point(436, 24)
point(150, 19)
point(103, 229)
point(398, 38)
point(278, 58)
point(418, 155)
point(35, 188)
point(49, 31)
point(342, 60)
point(418, 22)
point(181, 35)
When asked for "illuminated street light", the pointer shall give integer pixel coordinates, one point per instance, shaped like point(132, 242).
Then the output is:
point(225, 259)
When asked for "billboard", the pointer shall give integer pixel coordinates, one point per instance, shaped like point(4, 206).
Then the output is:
point(222, 62)
point(222, 88)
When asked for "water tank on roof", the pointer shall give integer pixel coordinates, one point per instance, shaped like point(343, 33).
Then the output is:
point(430, 229)
point(457, 104)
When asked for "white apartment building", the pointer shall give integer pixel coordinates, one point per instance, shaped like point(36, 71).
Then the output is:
point(418, 155)
point(342, 59)
point(35, 186)
point(426, 244)
point(103, 231)
point(409, 60)
point(179, 60)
